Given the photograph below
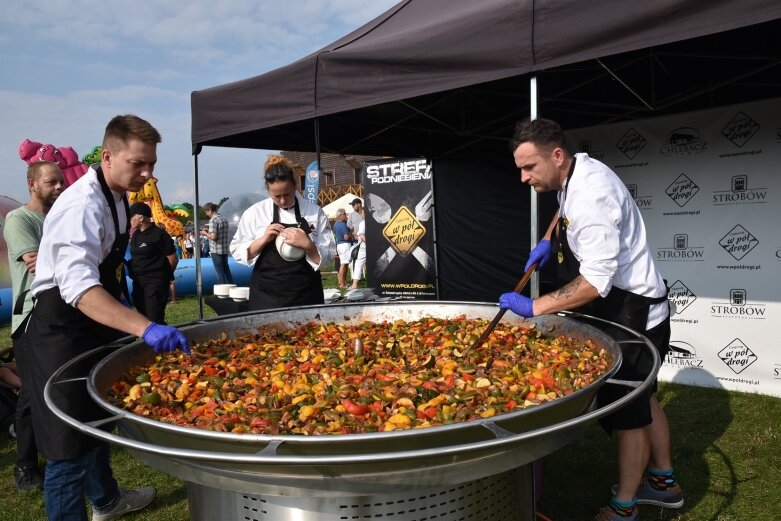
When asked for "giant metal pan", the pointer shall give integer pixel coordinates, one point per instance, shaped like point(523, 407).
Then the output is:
point(349, 464)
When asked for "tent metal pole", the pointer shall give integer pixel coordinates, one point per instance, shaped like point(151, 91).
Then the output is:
point(317, 150)
point(197, 236)
point(534, 288)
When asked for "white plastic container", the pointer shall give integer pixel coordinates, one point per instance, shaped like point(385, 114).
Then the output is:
point(223, 290)
point(239, 293)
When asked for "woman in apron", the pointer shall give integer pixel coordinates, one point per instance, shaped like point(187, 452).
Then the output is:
point(286, 239)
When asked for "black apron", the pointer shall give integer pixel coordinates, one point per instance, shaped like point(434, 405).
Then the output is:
point(58, 332)
point(277, 283)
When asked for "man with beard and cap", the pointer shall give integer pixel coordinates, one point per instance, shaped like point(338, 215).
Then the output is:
point(23, 231)
point(78, 283)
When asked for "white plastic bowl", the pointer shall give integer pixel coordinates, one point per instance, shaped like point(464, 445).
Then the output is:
point(288, 252)
point(239, 293)
point(223, 290)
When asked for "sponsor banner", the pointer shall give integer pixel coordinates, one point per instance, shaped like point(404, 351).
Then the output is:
point(312, 182)
point(399, 201)
point(708, 186)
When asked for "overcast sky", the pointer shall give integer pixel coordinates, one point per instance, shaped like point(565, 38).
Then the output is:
point(68, 66)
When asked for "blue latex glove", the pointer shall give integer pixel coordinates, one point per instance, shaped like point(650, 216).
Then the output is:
point(164, 338)
point(540, 254)
point(517, 303)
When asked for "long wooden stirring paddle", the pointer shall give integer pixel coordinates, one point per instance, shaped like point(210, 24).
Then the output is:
point(498, 317)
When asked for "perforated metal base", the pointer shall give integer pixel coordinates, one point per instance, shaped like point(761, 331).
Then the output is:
point(504, 497)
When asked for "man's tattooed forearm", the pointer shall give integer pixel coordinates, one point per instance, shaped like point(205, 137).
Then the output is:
point(567, 291)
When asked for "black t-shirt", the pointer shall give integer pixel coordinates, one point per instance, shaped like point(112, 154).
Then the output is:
point(148, 251)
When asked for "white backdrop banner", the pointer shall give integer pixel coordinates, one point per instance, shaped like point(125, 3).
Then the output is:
point(708, 185)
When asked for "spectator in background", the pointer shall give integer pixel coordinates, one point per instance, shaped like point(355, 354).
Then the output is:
point(23, 231)
point(219, 243)
point(189, 246)
point(178, 247)
point(343, 243)
point(358, 254)
point(355, 218)
point(153, 261)
point(205, 246)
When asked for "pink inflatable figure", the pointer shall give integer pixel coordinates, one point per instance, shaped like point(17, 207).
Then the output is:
point(65, 157)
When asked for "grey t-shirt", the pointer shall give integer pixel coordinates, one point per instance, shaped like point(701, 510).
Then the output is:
point(23, 230)
point(353, 220)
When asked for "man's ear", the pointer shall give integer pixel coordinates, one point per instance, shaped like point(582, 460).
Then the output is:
point(558, 156)
point(105, 156)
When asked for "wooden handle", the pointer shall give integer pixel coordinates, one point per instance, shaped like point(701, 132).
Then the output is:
point(498, 317)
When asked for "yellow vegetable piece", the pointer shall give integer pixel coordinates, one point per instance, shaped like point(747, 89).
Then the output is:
point(400, 420)
point(306, 412)
point(488, 413)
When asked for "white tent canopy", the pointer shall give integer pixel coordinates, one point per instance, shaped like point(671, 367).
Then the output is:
point(343, 202)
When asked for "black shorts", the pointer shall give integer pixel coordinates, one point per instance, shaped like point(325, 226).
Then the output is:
point(637, 364)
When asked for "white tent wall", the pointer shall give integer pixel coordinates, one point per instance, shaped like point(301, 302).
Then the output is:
point(709, 190)
point(343, 202)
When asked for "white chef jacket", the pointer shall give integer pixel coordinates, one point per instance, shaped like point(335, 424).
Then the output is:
point(607, 235)
point(77, 235)
point(258, 217)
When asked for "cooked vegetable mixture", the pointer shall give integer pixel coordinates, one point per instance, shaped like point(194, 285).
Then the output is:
point(315, 380)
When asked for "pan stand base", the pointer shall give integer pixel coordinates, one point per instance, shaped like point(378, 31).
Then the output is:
point(503, 497)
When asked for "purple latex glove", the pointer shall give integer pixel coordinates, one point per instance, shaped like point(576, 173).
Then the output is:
point(517, 303)
point(164, 338)
point(540, 255)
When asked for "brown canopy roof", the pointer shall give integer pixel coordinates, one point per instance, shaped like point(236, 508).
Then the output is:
point(435, 77)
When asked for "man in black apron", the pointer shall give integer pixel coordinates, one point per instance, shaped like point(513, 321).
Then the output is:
point(287, 253)
point(78, 285)
point(606, 270)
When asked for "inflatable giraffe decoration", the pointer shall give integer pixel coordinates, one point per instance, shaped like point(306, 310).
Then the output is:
point(150, 194)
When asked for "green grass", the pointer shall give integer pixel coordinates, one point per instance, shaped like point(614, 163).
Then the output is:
point(725, 445)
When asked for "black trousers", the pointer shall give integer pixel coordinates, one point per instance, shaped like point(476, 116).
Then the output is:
point(26, 449)
point(150, 298)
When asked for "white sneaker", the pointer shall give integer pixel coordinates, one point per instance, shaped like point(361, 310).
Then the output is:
point(129, 501)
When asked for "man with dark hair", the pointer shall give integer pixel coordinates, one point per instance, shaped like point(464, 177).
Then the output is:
point(78, 284)
point(219, 243)
point(22, 232)
point(607, 270)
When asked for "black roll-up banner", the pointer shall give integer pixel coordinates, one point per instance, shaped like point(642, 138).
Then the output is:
point(399, 205)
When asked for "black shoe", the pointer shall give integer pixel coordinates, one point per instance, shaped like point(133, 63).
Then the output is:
point(27, 478)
